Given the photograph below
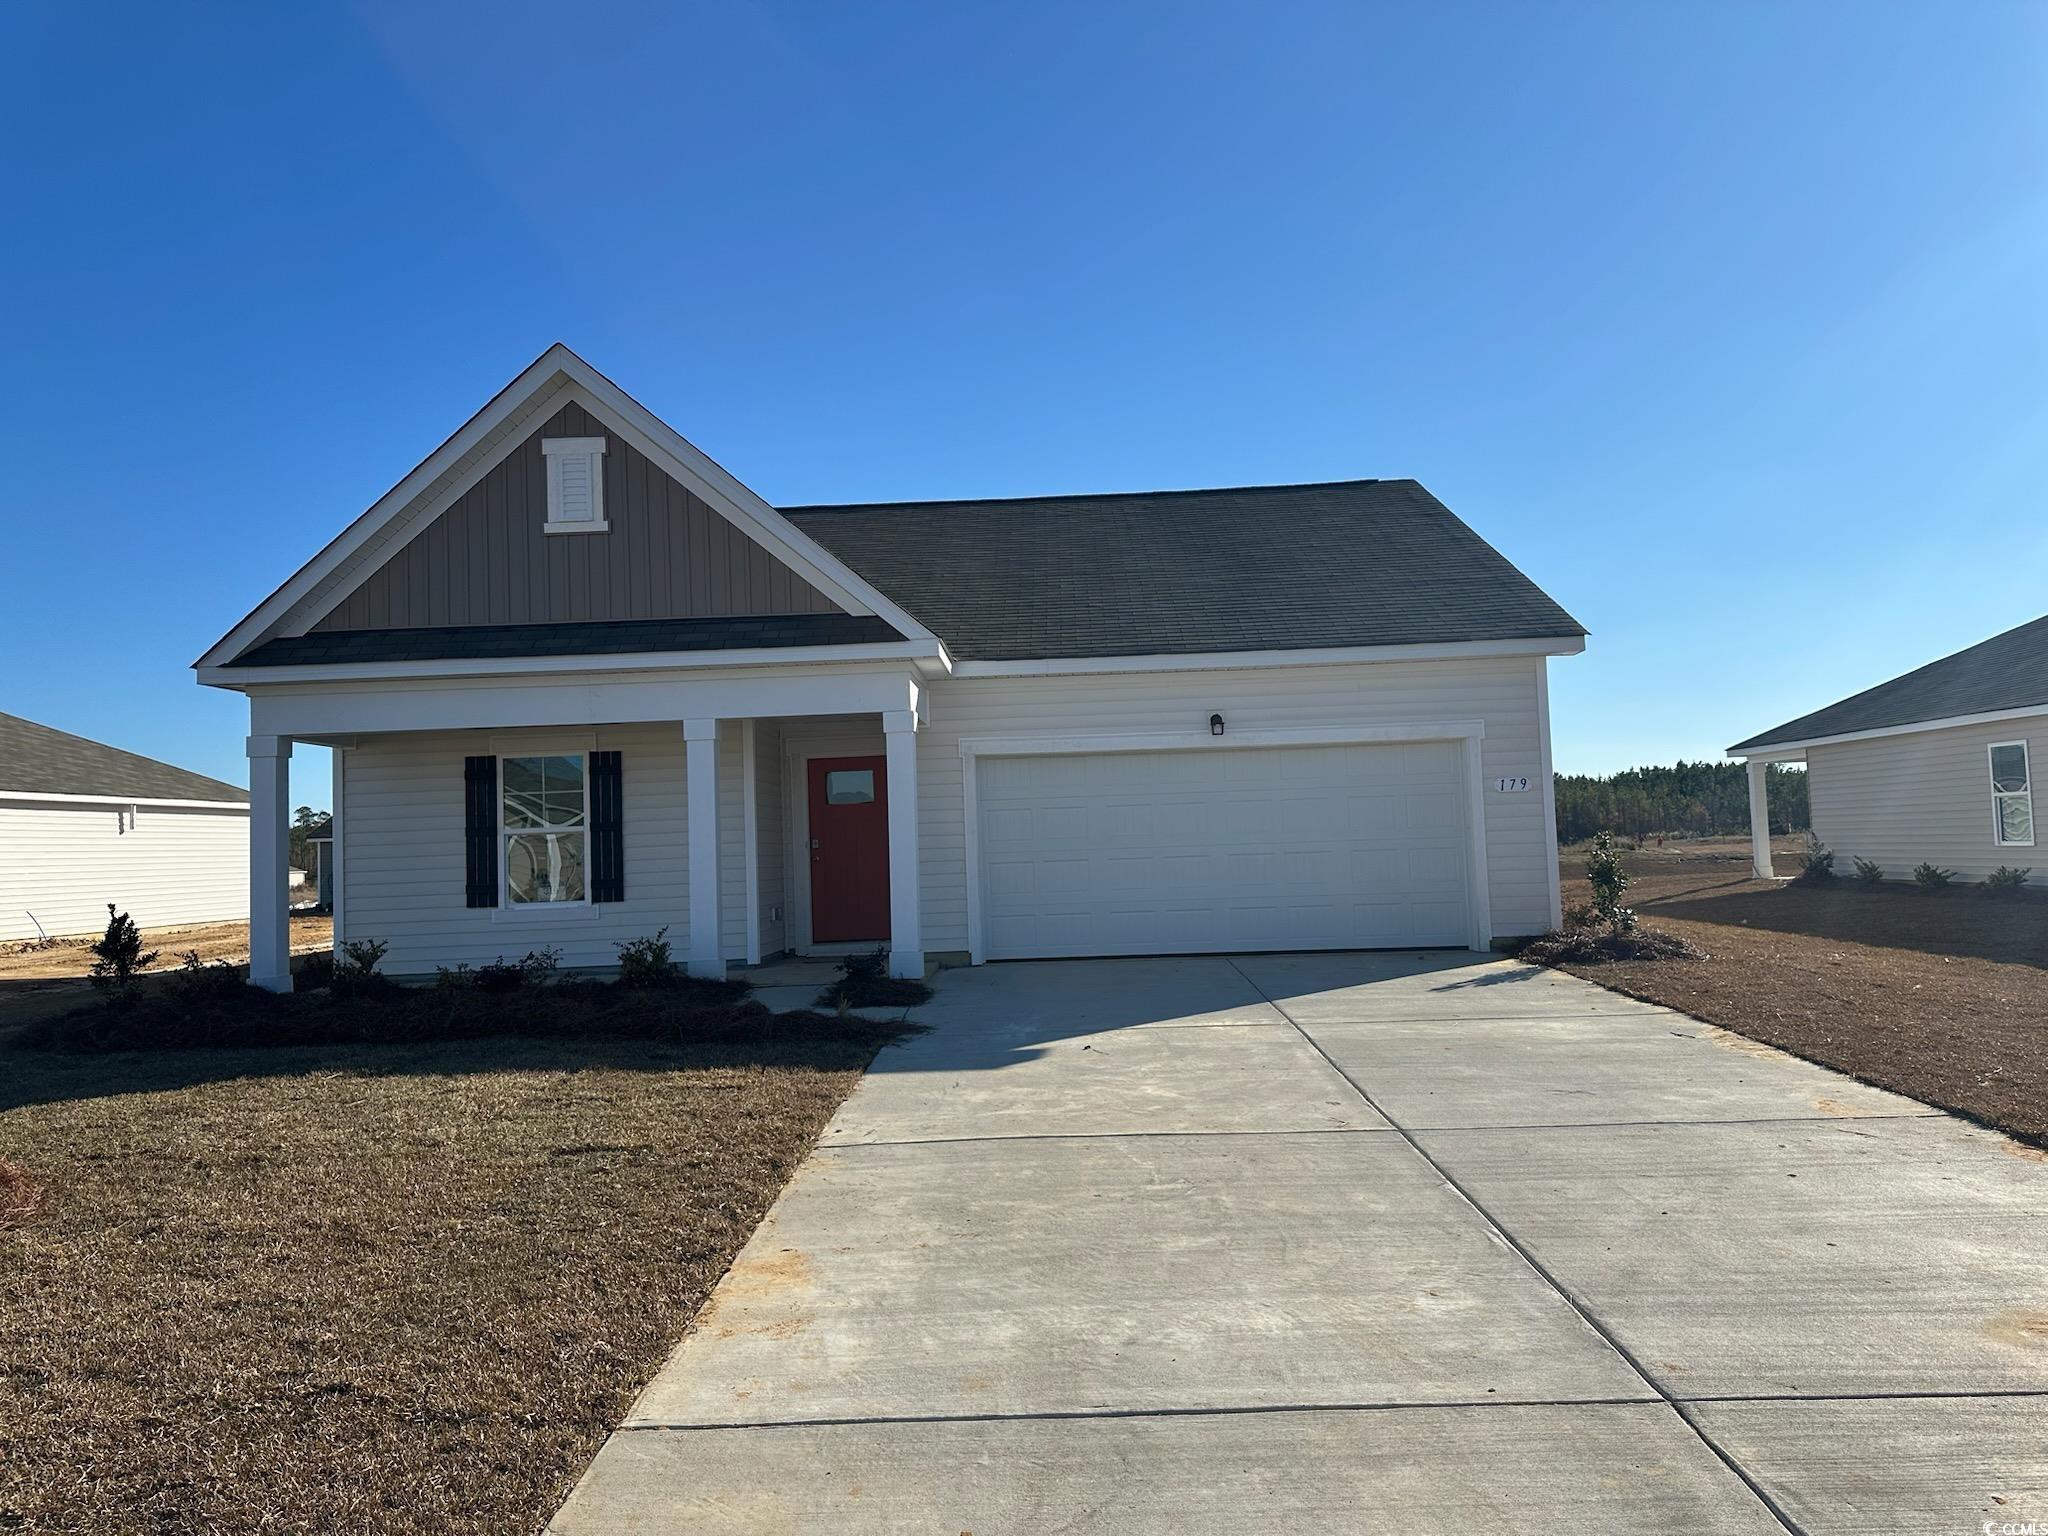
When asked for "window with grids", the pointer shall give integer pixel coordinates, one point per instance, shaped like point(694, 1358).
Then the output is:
point(2012, 795)
point(543, 828)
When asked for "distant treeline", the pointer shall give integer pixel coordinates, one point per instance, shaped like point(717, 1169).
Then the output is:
point(1703, 799)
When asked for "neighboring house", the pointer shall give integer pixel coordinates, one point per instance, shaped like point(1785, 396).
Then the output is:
point(83, 824)
point(320, 850)
point(1934, 767)
point(582, 684)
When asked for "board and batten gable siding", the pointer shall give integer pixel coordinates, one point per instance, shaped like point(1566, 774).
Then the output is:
point(64, 863)
point(402, 867)
point(485, 559)
point(1924, 797)
point(1502, 693)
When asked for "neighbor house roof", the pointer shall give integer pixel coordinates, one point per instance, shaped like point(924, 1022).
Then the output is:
point(37, 760)
point(2006, 672)
point(1255, 568)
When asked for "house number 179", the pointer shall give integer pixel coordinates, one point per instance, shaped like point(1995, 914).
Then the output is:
point(1511, 786)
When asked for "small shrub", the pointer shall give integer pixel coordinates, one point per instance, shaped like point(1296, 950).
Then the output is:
point(199, 981)
point(119, 956)
point(2005, 879)
point(355, 969)
point(1932, 877)
point(1869, 872)
point(1594, 946)
point(456, 978)
point(312, 972)
point(20, 1196)
point(1816, 863)
point(647, 962)
point(535, 968)
point(864, 982)
point(1609, 880)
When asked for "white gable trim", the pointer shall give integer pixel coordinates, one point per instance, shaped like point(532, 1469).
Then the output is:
point(1792, 748)
point(558, 375)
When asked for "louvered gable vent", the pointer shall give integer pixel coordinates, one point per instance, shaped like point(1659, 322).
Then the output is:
point(575, 484)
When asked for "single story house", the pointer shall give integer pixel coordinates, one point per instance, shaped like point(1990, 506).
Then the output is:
point(83, 824)
point(1933, 767)
point(582, 684)
point(320, 854)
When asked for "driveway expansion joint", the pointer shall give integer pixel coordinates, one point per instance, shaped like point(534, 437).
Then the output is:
point(1584, 1312)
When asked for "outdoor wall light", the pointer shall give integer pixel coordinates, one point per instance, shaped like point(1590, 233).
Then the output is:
point(1215, 725)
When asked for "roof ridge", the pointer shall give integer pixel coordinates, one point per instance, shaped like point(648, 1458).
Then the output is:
point(1000, 501)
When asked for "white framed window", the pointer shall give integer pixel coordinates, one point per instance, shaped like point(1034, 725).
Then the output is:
point(542, 801)
point(2012, 794)
point(575, 484)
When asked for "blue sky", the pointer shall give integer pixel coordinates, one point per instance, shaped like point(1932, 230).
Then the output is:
point(1725, 322)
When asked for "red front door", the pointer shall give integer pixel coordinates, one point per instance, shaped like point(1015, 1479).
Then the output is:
point(849, 849)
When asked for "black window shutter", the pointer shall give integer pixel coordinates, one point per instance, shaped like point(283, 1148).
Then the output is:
point(607, 821)
point(480, 840)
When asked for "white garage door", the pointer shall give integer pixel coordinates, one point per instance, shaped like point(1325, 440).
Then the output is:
point(1153, 853)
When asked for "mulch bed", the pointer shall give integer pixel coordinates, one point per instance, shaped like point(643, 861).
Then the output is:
point(1942, 997)
point(374, 1288)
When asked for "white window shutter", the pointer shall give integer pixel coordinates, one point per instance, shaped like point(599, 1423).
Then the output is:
point(575, 484)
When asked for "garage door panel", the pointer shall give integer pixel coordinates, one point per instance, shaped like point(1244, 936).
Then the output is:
point(1186, 852)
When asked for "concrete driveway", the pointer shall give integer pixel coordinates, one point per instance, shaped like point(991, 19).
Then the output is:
point(1357, 1242)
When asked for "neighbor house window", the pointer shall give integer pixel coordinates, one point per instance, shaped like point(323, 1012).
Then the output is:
point(543, 828)
point(2012, 796)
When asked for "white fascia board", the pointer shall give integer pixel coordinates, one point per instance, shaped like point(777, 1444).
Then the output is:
point(1782, 750)
point(680, 459)
point(143, 801)
point(926, 656)
point(1217, 661)
point(572, 700)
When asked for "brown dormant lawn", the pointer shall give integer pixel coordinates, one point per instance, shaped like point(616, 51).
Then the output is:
point(372, 1289)
point(1942, 997)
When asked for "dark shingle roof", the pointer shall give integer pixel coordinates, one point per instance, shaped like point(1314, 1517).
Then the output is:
point(37, 760)
point(1272, 567)
point(2008, 671)
point(611, 638)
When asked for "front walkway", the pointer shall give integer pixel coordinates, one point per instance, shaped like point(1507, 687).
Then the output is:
point(1357, 1242)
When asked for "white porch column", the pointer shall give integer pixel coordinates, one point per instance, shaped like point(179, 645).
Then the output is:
point(700, 746)
point(270, 792)
point(906, 916)
point(1760, 820)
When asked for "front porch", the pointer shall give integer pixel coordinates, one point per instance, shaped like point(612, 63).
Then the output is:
point(746, 833)
point(1759, 771)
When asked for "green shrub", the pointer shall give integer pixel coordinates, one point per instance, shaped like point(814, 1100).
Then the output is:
point(647, 962)
point(355, 969)
point(119, 956)
point(1932, 877)
point(864, 982)
point(1816, 863)
point(311, 972)
point(1869, 872)
point(2005, 879)
point(198, 981)
point(535, 968)
point(1609, 880)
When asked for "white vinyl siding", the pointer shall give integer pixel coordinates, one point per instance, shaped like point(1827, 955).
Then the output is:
point(402, 869)
point(1501, 693)
point(163, 867)
point(1924, 797)
point(772, 829)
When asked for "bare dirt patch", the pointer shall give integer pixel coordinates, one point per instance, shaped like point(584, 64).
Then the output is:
point(374, 1289)
point(72, 958)
point(1941, 997)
